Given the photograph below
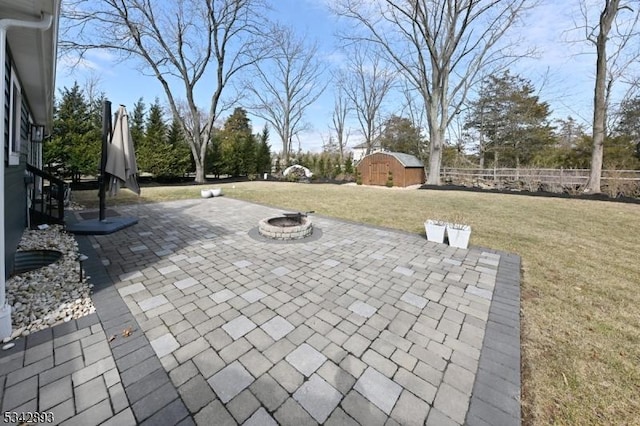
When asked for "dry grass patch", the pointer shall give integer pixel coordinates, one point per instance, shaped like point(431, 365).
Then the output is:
point(580, 291)
point(154, 194)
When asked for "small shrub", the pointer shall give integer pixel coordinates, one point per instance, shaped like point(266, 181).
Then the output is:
point(616, 186)
point(348, 165)
point(389, 182)
point(358, 177)
point(573, 189)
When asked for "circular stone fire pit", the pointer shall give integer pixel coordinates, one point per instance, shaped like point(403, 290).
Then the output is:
point(288, 227)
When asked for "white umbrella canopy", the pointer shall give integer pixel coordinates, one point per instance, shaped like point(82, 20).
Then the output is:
point(121, 157)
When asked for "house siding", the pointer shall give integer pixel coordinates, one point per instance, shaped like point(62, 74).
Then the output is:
point(15, 209)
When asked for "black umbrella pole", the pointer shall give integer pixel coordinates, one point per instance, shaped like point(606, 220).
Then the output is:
point(106, 132)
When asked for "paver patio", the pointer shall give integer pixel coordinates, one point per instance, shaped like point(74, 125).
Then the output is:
point(361, 325)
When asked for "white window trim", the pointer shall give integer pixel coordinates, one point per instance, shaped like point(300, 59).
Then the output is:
point(14, 119)
point(35, 150)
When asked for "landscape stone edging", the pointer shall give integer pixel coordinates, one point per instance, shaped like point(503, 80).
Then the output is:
point(495, 398)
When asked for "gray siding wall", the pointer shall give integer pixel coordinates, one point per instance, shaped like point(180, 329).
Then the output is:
point(15, 207)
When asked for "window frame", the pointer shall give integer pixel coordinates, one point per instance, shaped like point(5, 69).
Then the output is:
point(15, 119)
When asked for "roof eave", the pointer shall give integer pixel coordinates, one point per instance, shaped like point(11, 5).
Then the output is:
point(34, 54)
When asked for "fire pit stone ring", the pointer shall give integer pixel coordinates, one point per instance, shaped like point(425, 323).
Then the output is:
point(289, 226)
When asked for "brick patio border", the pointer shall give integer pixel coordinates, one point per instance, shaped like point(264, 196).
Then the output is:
point(495, 399)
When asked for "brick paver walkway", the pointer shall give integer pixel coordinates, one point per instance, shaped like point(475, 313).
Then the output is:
point(360, 326)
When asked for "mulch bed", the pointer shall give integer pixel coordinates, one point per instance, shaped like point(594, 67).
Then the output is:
point(594, 197)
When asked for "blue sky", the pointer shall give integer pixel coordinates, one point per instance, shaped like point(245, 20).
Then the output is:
point(563, 72)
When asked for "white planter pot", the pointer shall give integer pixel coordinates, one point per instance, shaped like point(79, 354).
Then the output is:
point(434, 231)
point(459, 237)
point(205, 193)
point(216, 192)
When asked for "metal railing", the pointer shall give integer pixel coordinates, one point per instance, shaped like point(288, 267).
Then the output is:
point(48, 196)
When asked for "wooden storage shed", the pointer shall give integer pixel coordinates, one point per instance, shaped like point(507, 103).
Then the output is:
point(405, 169)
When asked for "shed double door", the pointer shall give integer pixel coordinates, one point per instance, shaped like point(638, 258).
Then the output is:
point(378, 173)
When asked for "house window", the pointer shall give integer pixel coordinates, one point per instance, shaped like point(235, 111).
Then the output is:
point(15, 110)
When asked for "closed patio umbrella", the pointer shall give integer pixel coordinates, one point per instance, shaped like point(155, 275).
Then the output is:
point(117, 167)
point(121, 157)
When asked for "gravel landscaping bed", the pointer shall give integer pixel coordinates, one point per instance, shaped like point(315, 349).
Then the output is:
point(52, 294)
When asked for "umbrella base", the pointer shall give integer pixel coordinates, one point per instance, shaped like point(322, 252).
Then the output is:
point(104, 227)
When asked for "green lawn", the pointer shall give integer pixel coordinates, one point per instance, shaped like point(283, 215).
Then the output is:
point(580, 280)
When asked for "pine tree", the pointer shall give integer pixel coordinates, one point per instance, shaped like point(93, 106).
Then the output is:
point(74, 148)
point(181, 153)
point(237, 144)
point(399, 134)
point(629, 122)
point(214, 164)
point(511, 121)
point(136, 124)
point(152, 148)
point(348, 165)
point(263, 152)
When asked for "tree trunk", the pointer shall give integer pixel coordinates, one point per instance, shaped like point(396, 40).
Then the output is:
point(435, 138)
point(435, 155)
point(434, 165)
point(198, 152)
point(200, 175)
point(599, 98)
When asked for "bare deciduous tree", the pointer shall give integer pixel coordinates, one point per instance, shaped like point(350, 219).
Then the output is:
point(91, 88)
point(366, 83)
point(286, 84)
point(339, 116)
point(181, 43)
point(609, 67)
point(440, 46)
point(414, 109)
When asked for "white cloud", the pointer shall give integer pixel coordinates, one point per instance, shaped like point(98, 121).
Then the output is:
point(103, 55)
point(73, 63)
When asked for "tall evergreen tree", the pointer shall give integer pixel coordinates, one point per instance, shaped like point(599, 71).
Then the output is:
point(214, 163)
point(155, 131)
point(628, 123)
point(136, 124)
point(400, 135)
point(151, 147)
point(181, 152)
point(511, 121)
point(74, 148)
point(235, 142)
point(263, 152)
